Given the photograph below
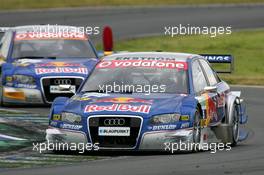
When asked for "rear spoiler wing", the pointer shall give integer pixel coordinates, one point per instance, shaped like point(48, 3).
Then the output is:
point(224, 59)
point(4, 29)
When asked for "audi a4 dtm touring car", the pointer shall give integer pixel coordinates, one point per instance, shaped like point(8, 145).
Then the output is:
point(40, 65)
point(142, 100)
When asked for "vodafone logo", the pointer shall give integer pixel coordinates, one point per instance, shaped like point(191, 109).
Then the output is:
point(21, 36)
point(61, 35)
point(79, 70)
point(118, 107)
point(143, 63)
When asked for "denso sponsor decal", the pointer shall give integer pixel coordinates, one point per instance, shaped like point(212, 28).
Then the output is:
point(143, 64)
point(78, 70)
point(50, 35)
point(118, 107)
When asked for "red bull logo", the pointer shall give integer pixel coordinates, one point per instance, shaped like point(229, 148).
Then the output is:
point(79, 70)
point(118, 107)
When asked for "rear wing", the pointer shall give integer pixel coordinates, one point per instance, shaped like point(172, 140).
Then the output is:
point(4, 29)
point(223, 59)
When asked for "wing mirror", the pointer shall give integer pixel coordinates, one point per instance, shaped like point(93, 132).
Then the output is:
point(210, 89)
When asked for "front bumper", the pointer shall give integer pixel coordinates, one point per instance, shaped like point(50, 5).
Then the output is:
point(21, 96)
point(158, 140)
point(150, 141)
point(55, 135)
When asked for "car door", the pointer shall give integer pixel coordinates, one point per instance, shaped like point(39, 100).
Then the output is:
point(219, 96)
point(207, 100)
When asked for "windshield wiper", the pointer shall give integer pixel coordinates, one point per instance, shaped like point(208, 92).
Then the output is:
point(35, 57)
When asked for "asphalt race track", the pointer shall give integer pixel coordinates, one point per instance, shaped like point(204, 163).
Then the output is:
point(131, 21)
point(246, 158)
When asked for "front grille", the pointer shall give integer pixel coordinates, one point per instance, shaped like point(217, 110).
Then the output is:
point(46, 82)
point(115, 141)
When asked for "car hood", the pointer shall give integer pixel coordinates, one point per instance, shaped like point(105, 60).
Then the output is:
point(48, 67)
point(134, 104)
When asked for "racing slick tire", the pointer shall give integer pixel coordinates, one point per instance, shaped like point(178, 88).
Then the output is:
point(1, 97)
point(196, 131)
point(1, 93)
point(235, 125)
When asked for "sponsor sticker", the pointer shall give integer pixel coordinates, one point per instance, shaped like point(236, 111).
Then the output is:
point(163, 127)
point(124, 100)
point(114, 131)
point(78, 70)
point(92, 94)
point(70, 126)
point(185, 125)
point(142, 63)
point(53, 123)
point(58, 64)
point(56, 117)
point(218, 58)
point(157, 58)
point(185, 118)
point(50, 35)
point(29, 86)
point(118, 107)
point(57, 89)
point(9, 78)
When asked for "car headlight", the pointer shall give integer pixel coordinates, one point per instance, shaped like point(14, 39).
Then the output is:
point(24, 79)
point(164, 119)
point(71, 118)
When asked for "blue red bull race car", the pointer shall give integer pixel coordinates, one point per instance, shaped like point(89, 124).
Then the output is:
point(150, 101)
point(40, 63)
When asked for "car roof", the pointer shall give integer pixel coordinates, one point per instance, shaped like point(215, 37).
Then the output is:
point(31, 28)
point(163, 56)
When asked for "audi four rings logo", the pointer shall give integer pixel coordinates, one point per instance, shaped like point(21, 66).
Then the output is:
point(114, 122)
point(62, 81)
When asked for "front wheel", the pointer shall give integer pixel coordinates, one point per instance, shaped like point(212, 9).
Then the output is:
point(1, 96)
point(196, 130)
point(235, 125)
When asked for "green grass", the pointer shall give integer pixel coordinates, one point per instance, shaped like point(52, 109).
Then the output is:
point(247, 47)
point(27, 4)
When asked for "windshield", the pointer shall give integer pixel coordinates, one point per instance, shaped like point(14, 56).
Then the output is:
point(137, 80)
point(58, 48)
